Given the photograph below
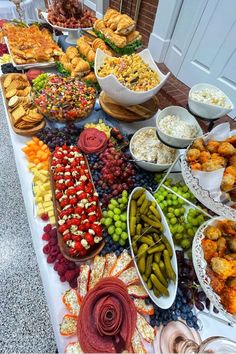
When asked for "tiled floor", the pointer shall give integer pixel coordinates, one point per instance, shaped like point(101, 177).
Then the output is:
point(175, 92)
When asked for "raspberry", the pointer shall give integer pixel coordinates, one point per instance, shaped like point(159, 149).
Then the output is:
point(60, 257)
point(62, 278)
point(46, 249)
point(61, 269)
point(47, 228)
point(51, 258)
point(54, 250)
point(56, 266)
point(69, 275)
point(52, 241)
point(44, 217)
point(45, 237)
point(71, 266)
point(73, 283)
point(53, 233)
point(77, 271)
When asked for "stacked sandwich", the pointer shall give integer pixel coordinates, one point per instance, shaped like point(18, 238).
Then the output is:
point(118, 31)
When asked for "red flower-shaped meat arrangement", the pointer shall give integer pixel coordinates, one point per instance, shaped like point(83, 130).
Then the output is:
point(108, 318)
point(79, 212)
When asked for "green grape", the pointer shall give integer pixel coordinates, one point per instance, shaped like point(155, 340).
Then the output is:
point(116, 217)
point(170, 215)
point(161, 205)
point(185, 189)
point(111, 207)
point(102, 220)
point(123, 217)
point(111, 229)
point(108, 222)
point(110, 213)
point(115, 238)
point(125, 194)
point(119, 200)
point(117, 211)
point(180, 228)
point(123, 226)
point(173, 221)
point(114, 202)
point(124, 235)
point(169, 202)
point(122, 242)
point(185, 243)
point(161, 198)
point(118, 231)
point(118, 223)
point(124, 200)
point(190, 232)
point(171, 210)
point(121, 206)
point(177, 212)
point(178, 236)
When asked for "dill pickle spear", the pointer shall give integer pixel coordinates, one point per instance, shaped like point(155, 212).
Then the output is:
point(138, 193)
point(169, 270)
point(133, 208)
point(149, 284)
point(168, 245)
point(132, 225)
point(160, 287)
point(148, 269)
point(141, 200)
point(155, 249)
point(159, 275)
point(143, 206)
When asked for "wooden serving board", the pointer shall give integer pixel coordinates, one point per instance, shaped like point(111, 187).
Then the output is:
point(24, 132)
point(93, 251)
point(129, 114)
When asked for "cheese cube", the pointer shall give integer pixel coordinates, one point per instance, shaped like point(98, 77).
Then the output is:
point(47, 197)
point(52, 220)
point(51, 213)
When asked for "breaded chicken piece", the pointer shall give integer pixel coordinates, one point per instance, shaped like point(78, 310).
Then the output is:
point(211, 165)
point(216, 283)
point(198, 144)
point(232, 140)
point(232, 160)
point(231, 170)
point(204, 156)
point(219, 159)
point(228, 227)
point(195, 166)
point(227, 182)
point(212, 232)
point(193, 154)
point(212, 146)
point(223, 267)
point(222, 246)
point(231, 282)
point(228, 299)
point(209, 248)
point(226, 149)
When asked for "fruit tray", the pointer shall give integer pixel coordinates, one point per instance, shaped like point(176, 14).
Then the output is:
point(94, 250)
point(24, 132)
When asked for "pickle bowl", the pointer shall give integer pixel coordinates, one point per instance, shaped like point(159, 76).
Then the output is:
point(164, 302)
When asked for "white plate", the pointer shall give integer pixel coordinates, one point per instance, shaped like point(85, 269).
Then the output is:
point(163, 301)
point(203, 195)
point(200, 265)
point(27, 66)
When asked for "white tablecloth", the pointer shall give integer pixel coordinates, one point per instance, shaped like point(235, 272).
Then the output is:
point(8, 10)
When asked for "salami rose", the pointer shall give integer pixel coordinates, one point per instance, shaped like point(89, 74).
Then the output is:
point(107, 318)
point(92, 140)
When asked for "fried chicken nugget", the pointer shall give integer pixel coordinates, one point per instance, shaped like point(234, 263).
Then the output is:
point(212, 233)
point(228, 227)
point(232, 160)
point(198, 144)
point(195, 166)
point(227, 182)
point(231, 170)
point(204, 156)
point(193, 154)
point(211, 165)
point(216, 283)
point(219, 159)
point(226, 149)
point(222, 246)
point(232, 140)
point(228, 299)
point(212, 146)
point(209, 248)
point(231, 282)
point(223, 267)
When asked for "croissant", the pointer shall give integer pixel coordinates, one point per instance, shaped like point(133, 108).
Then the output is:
point(119, 41)
point(82, 66)
point(108, 14)
point(133, 36)
point(99, 43)
point(63, 58)
point(75, 61)
point(83, 46)
point(113, 21)
point(99, 25)
point(91, 56)
point(71, 52)
point(125, 25)
point(90, 77)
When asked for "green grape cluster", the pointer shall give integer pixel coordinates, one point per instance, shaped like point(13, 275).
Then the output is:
point(40, 82)
point(183, 224)
point(115, 217)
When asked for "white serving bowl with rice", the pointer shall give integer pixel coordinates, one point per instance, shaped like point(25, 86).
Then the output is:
point(149, 152)
point(208, 101)
point(177, 127)
point(118, 91)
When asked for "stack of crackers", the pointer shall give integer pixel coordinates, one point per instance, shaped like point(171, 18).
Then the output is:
point(18, 95)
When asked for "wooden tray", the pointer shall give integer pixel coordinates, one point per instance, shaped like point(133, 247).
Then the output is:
point(24, 132)
point(129, 114)
point(93, 251)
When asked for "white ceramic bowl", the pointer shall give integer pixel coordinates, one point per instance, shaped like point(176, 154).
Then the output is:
point(145, 165)
point(120, 93)
point(185, 116)
point(163, 301)
point(205, 110)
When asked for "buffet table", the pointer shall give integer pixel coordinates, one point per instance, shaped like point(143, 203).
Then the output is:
point(53, 288)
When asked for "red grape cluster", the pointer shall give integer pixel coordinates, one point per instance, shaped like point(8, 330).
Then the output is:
point(188, 282)
point(112, 172)
point(67, 270)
